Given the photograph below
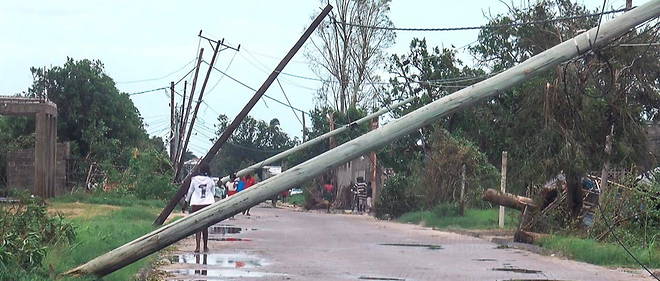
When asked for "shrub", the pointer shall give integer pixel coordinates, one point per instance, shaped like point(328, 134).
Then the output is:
point(148, 176)
point(396, 197)
point(26, 230)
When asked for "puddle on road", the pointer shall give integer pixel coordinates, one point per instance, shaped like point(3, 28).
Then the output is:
point(219, 260)
point(228, 229)
point(381, 278)
point(518, 270)
point(196, 274)
point(533, 280)
point(484, 260)
point(428, 246)
point(229, 239)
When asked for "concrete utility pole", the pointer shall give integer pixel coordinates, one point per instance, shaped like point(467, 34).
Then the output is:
point(184, 125)
point(503, 188)
point(177, 230)
point(177, 172)
point(241, 115)
point(172, 123)
point(284, 154)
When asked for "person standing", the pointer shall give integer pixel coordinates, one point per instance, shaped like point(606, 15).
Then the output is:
point(361, 192)
point(200, 195)
point(328, 194)
point(231, 185)
point(249, 181)
point(370, 200)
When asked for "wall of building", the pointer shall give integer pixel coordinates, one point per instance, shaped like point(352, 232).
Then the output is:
point(20, 169)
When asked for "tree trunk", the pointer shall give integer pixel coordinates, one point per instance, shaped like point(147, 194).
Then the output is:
point(508, 200)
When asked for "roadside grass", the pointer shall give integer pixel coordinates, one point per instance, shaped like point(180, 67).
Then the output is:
point(446, 216)
point(107, 199)
point(599, 253)
point(101, 223)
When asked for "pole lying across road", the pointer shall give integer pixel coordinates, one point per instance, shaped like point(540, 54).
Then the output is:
point(316, 140)
point(175, 231)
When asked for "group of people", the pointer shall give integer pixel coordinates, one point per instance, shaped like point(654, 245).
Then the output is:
point(203, 192)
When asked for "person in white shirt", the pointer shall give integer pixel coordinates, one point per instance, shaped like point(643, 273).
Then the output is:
point(200, 194)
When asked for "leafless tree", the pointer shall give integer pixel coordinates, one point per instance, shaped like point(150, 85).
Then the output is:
point(347, 53)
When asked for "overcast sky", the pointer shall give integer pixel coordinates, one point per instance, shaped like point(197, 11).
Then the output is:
point(146, 44)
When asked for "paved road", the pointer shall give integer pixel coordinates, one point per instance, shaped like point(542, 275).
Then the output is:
point(282, 244)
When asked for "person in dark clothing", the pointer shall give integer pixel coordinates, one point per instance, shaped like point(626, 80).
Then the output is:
point(361, 192)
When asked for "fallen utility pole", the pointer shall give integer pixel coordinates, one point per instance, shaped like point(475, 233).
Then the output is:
point(283, 155)
point(177, 230)
point(239, 118)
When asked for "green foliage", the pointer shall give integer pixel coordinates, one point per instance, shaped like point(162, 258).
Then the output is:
point(441, 175)
point(26, 232)
point(446, 215)
point(102, 122)
point(148, 176)
point(253, 141)
point(296, 199)
point(396, 197)
point(607, 254)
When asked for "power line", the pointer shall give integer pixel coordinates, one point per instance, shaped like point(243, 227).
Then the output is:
point(157, 78)
point(288, 101)
point(611, 229)
point(147, 91)
point(335, 21)
point(254, 90)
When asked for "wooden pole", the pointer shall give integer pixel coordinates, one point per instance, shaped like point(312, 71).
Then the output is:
point(221, 210)
point(183, 188)
point(502, 189)
point(462, 202)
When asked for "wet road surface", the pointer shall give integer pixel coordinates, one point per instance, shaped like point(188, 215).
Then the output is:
point(283, 244)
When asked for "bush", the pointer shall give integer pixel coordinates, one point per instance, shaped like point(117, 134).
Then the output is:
point(26, 230)
point(396, 197)
point(148, 176)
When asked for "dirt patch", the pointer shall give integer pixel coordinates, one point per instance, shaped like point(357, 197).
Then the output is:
point(80, 210)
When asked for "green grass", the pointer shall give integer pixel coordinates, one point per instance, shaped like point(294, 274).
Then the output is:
point(101, 234)
point(606, 254)
point(96, 235)
point(446, 216)
point(108, 199)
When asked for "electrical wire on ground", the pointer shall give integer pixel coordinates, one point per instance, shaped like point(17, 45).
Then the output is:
point(611, 229)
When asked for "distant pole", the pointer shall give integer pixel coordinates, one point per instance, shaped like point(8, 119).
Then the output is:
point(181, 125)
point(503, 187)
point(462, 202)
point(172, 123)
point(628, 4)
point(304, 132)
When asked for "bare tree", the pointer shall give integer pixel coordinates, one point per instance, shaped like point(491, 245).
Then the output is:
point(348, 53)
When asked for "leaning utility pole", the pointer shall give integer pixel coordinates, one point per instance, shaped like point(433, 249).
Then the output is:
point(239, 118)
point(172, 123)
point(216, 50)
point(284, 154)
point(182, 151)
point(177, 230)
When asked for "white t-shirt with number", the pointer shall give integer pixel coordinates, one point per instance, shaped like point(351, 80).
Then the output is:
point(201, 191)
